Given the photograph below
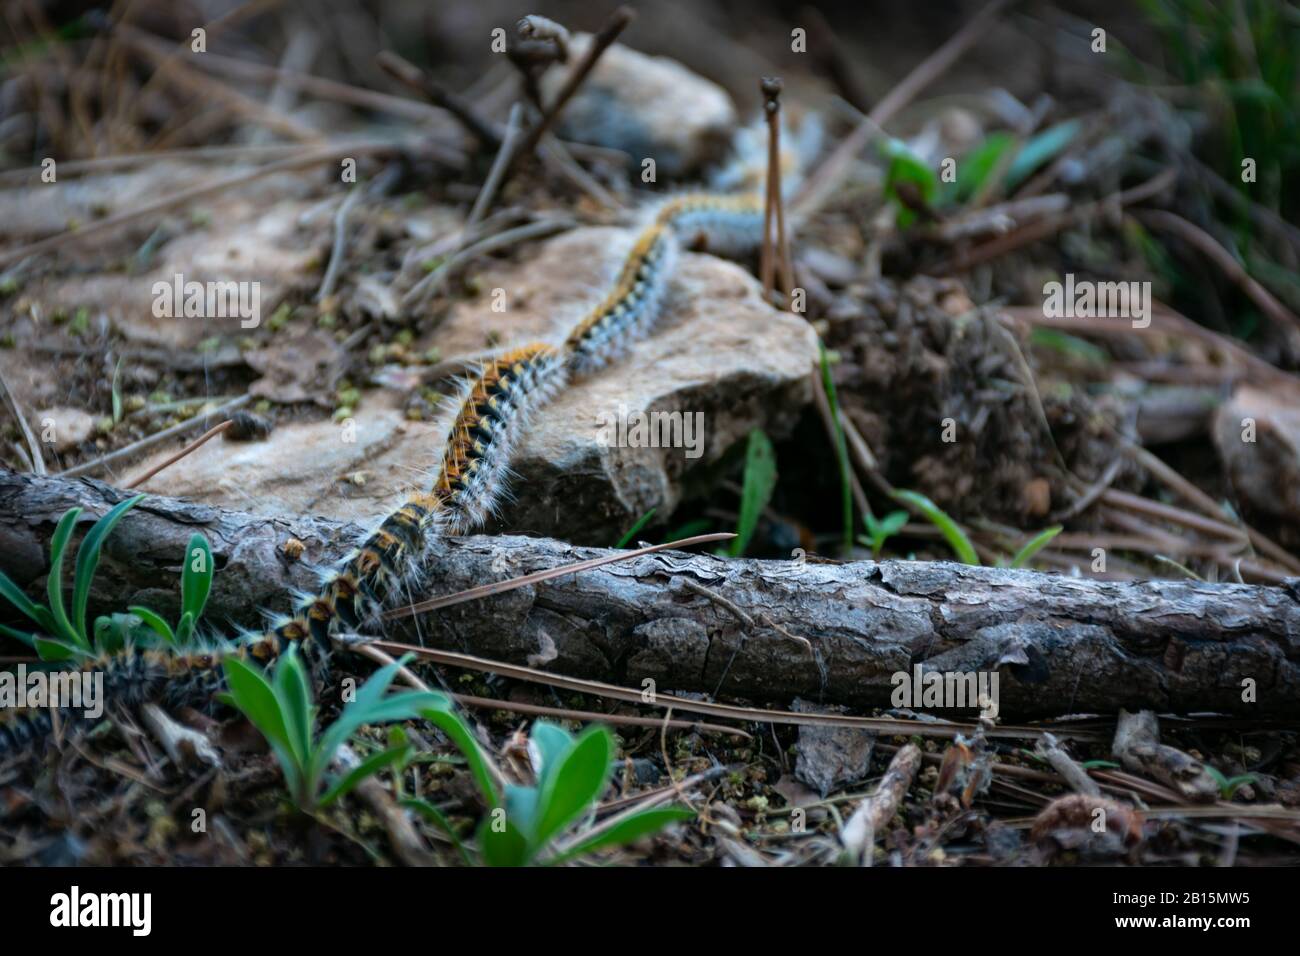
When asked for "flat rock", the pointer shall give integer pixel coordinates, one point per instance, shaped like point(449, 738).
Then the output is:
point(647, 106)
point(719, 354)
point(348, 471)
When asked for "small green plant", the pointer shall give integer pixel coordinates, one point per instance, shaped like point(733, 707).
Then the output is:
point(1034, 545)
point(196, 583)
point(65, 633)
point(1228, 786)
point(760, 479)
point(283, 710)
point(952, 532)
point(572, 773)
point(908, 170)
point(880, 530)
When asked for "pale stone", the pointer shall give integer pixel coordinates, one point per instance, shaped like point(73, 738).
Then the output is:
point(648, 106)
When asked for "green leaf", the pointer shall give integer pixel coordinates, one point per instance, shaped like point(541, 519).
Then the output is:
point(552, 742)
point(883, 529)
point(522, 808)
point(292, 690)
point(635, 529)
point(841, 448)
point(368, 767)
point(952, 533)
point(578, 781)
point(52, 650)
point(88, 560)
point(28, 639)
point(976, 167)
point(453, 725)
point(1099, 765)
point(154, 622)
point(439, 819)
point(502, 845)
point(253, 695)
point(1034, 545)
point(626, 830)
point(195, 585)
point(54, 586)
point(760, 480)
point(1039, 150)
point(12, 593)
point(906, 167)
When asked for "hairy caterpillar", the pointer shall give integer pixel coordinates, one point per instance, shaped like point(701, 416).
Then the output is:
point(497, 404)
point(470, 479)
point(719, 223)
point(131, 676)
point(631, 306)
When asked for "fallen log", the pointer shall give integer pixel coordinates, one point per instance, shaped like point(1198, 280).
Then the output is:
point(1058, 644)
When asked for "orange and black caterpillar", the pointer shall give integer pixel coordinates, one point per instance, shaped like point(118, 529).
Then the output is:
point(470, 480)
point(475, 463)
point(631, 306)
point(471, 477)
point(131, 676)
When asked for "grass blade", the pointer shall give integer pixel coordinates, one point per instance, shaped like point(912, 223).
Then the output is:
point(635, 529)
point(625, 831)
point(196, 577)
point(760, 480)
point(1034, 545)
point(154, 622)
point(88, 560)
point(952, 532)
point(54, 586)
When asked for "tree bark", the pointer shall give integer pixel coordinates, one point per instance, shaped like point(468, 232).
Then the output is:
point(1060, 645)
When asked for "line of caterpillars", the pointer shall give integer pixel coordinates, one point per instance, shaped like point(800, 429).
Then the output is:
point(471, 476)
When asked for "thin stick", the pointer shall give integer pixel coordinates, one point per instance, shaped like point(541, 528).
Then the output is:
point(871, 816)
point(339, 245)
point(591, 716)
point(616, 24)
point(770, 86)
point(150, 440)
point(418, 80)
point(211, 433)
point(435, 280)
point(561, 713)
point(888, 725)
point(1195, 496)
point(111, 223)
point(38, 461)
point(1210, 248)
point(498, 171)
point(499, 587)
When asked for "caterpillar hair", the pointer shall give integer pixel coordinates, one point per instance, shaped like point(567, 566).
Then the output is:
point(131, 677)
point(725, 225)
point(630, 308)
point(474, 470)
